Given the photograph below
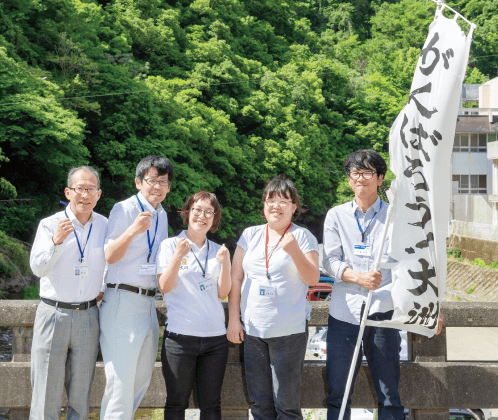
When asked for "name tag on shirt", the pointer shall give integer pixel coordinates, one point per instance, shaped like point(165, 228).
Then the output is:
point(80, 270)
point(147, 270)
point(206, 284)
point(363, 250)
point(266, 290)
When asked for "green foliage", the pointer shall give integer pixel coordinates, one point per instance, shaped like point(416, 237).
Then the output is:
point(479, 262)
point(475, 76)
point(31, 292)
point(13, 257)
point(470, 289)
point(233, 92)
point(453, 252)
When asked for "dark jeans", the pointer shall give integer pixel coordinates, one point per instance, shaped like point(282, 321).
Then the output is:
point(185, 357)
point(381, 348)
point(274, 368)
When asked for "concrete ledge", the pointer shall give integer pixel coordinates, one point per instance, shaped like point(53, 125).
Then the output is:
point(423, 386)
point(472, 247)
point(458, 314)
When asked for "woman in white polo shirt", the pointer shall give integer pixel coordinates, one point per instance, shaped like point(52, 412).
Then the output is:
point(272, 268)
point(193, 273)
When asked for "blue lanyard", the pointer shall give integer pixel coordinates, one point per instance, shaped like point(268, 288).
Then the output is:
point(359, 227)
point(148, 235)
point(206, 263)
point(82, 251)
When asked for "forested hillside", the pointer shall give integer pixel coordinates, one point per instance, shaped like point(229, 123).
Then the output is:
point(233, 92)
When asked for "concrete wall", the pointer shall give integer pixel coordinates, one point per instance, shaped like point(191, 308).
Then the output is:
point(429, 384)
point(473, 248)
point(492, 150)
point(464, 163)
point(474, 230)
point(484, 96)
point(472, 208)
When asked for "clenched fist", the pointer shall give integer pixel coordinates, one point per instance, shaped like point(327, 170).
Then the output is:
point(142, 223)
point(370, 280)
point(182, 248)
point(223, 255)
point(64, 228)
point(289, 243)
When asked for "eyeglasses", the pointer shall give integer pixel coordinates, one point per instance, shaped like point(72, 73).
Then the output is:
point(365, 174)
point(154, 181)
point(272, 203)
point(207, 213)
point(80, 190)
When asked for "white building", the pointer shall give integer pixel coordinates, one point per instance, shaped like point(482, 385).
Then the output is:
point(474, 204)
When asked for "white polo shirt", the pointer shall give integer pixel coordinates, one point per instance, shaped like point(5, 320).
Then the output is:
point(122, 215)
point(286, 312)
point(193, 304)
point(55, 264)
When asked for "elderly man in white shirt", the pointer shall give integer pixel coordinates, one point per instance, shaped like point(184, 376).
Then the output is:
point(129, 334)
point(68, 255)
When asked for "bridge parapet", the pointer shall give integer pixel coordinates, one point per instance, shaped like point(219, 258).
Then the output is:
point(429, 386)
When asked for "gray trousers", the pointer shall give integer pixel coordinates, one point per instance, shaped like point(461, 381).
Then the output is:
point(63, 354)
point(129, 338)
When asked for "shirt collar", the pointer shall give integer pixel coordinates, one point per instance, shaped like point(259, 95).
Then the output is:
point(147, 206)
point(183, 234)
point(375, 207)
point(73, 218)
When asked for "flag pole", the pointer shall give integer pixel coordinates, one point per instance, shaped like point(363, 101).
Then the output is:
point(364, 318)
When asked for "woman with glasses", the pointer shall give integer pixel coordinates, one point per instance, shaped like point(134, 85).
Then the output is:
point(193, 273)
point(129, 331)
point(273, 266)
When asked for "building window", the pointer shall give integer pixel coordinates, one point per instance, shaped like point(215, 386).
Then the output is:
point(469, 184)
point(472, 142)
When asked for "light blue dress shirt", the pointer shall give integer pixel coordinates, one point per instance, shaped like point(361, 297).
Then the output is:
point(341, 234)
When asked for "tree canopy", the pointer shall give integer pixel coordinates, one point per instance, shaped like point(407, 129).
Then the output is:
point(233, 92)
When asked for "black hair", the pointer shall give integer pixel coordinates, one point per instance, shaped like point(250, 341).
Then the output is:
point(280, 185)
point(163, 166)
point(365, 159)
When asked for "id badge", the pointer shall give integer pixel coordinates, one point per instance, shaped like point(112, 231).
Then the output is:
point(363, 250)
point(80, 270)
point(147, 270)
point(206, 284)
point(266, 290)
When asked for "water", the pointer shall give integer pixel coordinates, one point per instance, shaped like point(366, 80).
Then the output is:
point(5, 344)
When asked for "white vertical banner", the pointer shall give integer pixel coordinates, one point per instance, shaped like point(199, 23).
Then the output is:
point(420, 147)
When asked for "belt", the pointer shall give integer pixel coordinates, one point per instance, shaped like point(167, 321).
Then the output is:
point(65, 305)
point(134, 289)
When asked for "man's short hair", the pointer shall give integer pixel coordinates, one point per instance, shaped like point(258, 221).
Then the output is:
point(82, 168)
point(163, 166)
point(365, 159)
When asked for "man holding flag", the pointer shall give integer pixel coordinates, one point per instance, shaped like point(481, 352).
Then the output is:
point(352, 239)
point(389, 262)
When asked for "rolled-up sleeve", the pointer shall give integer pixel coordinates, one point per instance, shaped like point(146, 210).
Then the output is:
point(333, 254)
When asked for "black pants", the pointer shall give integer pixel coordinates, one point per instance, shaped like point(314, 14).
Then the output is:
point(185, 357)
